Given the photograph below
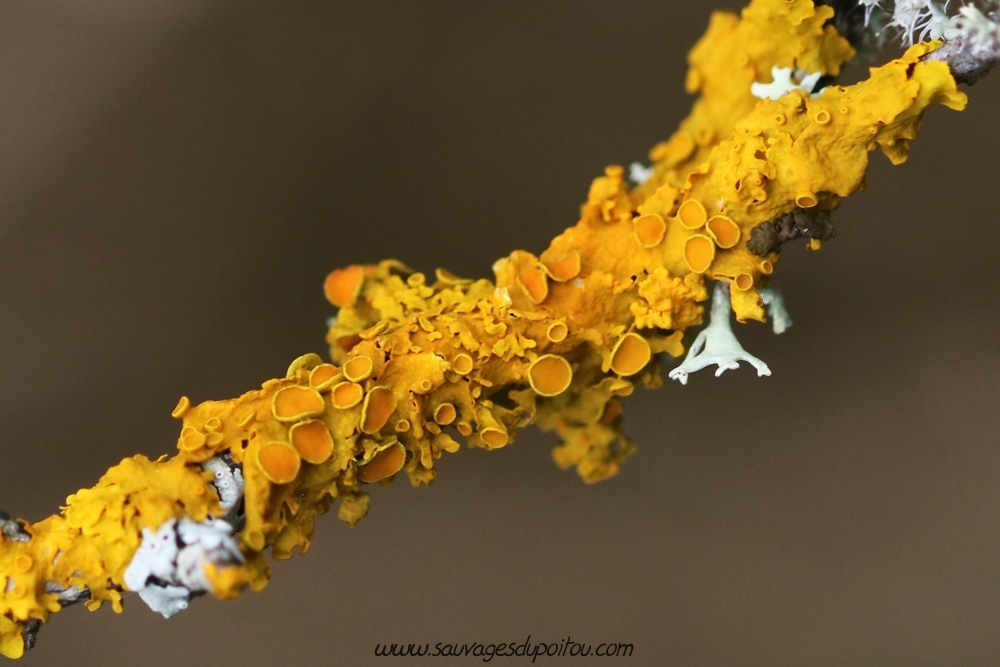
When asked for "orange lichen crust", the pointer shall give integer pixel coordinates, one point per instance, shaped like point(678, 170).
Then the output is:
point(554, 340)
point(89, 545)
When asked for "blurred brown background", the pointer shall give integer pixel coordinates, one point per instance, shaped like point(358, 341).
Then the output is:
point(177, 179)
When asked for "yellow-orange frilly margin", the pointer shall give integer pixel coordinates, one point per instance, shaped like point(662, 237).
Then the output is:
point(554, 340)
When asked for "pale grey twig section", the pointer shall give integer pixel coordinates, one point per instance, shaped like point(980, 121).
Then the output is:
point(12, 529)
point(971, 55)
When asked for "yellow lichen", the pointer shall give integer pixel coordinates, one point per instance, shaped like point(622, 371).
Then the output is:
point(378, 407)
point(691, 214)
point(323, 376)
point(650, 230)
point(699, 252)
point(279, 462)
point(294, 403)
point(358, 369)
point(535, 284)
point(723, 231)
point(342, 285)
point(312, 440)
point(346, 395)
point(557, 332)
point(630, 354)
point(562, 269)
point(445, 414)
point(384, 464)
point(550, 375)
point(553, 340)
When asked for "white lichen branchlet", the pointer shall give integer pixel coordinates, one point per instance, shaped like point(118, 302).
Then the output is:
point(776, 311)
point(168, 569)
point(870, 6)
point(783, 81)
point(969, 30)
point(980, 31)
point(639, 173)
point(717, 344)
point(918, 20)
